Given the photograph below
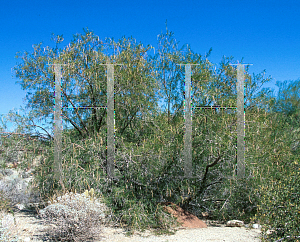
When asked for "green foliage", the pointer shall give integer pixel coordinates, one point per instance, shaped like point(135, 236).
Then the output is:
point(288, 99)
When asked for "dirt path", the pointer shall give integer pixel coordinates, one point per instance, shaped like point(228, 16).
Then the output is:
point(29, 226)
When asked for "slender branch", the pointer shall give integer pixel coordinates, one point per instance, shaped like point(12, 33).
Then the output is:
point(202, 186)
point(40, 128)
point(213, 183)
point(74, 124)
point(10, 133)
point(207, 168)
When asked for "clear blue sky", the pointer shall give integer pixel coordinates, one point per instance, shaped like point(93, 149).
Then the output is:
point(265, 32)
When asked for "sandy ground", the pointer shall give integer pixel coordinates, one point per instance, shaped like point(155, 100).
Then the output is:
point(27, 226)
point(184, 235)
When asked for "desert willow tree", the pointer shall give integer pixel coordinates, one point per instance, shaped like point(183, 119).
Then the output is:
point(84, 81)
point(214, 132)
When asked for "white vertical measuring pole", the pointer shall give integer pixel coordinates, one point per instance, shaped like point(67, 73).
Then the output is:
point(188, 156)
point(240, 122)
point(110, 121)
point(57, 125)
point(188, 124)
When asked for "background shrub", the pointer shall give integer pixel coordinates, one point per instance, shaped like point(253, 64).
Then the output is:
point(17, 189)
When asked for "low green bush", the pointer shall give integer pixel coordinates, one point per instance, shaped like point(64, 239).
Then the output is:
point(240, 201)
point(279, 209)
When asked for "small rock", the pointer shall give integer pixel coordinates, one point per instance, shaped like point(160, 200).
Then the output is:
point(26, 239)
point(234, 223)
point(20, 206)
point(256, 226)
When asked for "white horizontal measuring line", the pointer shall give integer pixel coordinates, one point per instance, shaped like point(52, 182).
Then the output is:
point(214, 107)
point(240, 64)
point(86, 107)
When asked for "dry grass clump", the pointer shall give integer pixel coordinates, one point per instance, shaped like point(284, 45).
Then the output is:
point(75, 217)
